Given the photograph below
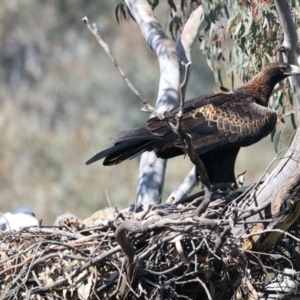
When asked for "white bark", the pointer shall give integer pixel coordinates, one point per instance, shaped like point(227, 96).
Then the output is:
point(185, 188)
point(168, 93)
point(152, 169)
point(190, 34)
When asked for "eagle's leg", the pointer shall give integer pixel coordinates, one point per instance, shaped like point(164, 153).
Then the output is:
point(220, 166)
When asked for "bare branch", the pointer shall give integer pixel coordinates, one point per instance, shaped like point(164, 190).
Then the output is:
point(152, 169)
point(185, 188)
point(168, 93)
point(190, 34)
point(76, 271)
point(202, 284)
point(187, 140)
point(146, 106)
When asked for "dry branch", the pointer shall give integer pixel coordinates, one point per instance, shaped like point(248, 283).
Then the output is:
point(172, 253)
point(184, 47)
point(152, 169)
point(170, 250)
point(146, 106)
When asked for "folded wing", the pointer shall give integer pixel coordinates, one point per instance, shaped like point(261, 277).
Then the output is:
point(215, 124)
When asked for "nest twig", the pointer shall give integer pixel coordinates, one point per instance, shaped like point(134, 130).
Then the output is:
point(166, 253)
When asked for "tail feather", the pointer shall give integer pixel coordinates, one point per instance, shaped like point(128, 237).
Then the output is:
point(128, 144)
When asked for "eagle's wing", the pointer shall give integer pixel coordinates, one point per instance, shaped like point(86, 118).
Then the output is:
point(217, 122)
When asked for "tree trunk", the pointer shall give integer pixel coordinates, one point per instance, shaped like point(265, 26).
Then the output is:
point(279, 197)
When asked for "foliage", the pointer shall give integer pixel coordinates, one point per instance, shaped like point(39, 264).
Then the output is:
point(241, 37)
point(61, 101)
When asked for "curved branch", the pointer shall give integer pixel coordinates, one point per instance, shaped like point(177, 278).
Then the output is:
point(185, 188)
point(152, 169)
point(168, 93)
point(190, 34)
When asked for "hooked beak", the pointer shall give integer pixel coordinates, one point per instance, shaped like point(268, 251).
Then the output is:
point(295, 70)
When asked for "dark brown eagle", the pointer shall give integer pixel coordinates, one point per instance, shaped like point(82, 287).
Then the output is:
point(220, 124)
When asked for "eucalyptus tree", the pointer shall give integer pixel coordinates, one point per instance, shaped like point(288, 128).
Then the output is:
point(239, 37)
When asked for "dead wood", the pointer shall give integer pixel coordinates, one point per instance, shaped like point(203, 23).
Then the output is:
point(159, 253)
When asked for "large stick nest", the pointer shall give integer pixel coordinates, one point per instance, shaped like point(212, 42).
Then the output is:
point(163, 253)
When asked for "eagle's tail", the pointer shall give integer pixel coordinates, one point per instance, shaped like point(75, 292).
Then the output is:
point(128, 144)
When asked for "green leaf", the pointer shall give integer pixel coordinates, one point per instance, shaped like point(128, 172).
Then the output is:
point(172, 5)
point(277, 100)
point(123, 11)
point(287, 113)
point(290, 97)
point(292, 137)
point(268, 56)
point(230, 70)
point(182, 5)
point(117, 12)
point(293, 121)
point(273, 134)
point(202, 45)
point(154, 4)
point(277, 140)
point(220, 77)
point(237, 29)
point(266, 23)
point(232, 22)
point(226, 11)
point(171, 28)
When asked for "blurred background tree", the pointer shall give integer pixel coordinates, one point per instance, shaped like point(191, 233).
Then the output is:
point(61, 100)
